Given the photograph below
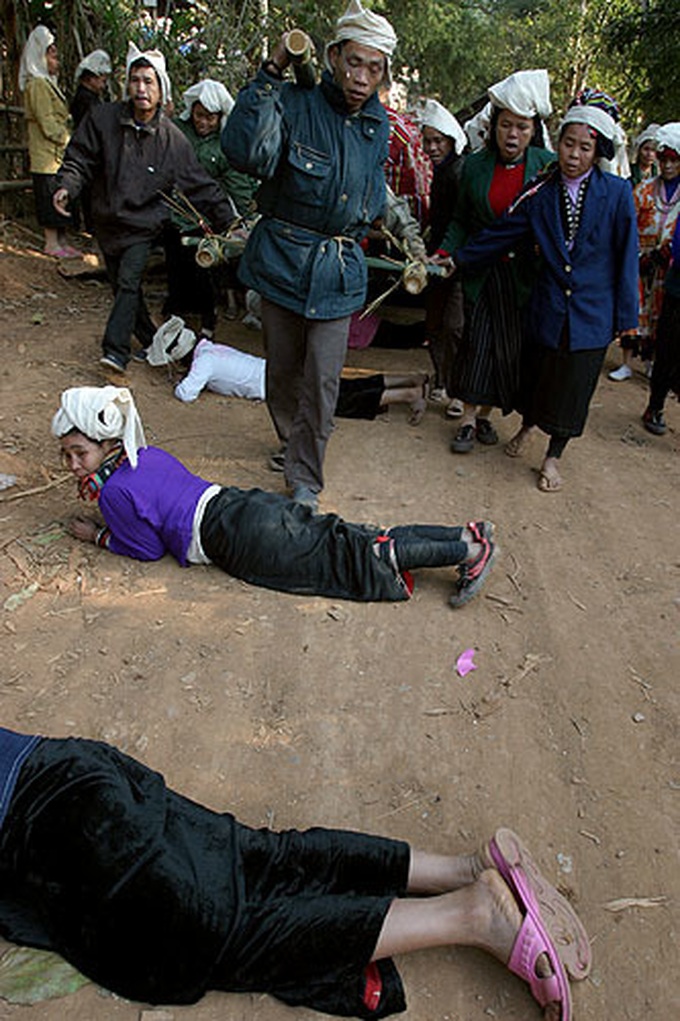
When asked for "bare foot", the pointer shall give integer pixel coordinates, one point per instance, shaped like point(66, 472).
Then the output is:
point(418, 409)
point(515, 446)
point(549, 478)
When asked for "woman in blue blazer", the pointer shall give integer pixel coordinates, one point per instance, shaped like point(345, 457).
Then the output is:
point(583, 223)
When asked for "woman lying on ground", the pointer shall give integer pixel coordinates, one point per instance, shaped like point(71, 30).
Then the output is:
point(231, 372)
point(152, 505)
point(160, 899)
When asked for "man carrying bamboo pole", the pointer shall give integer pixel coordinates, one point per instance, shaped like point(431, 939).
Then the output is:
point(320, 153)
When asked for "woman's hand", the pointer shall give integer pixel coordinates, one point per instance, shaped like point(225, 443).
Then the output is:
point(445, 261)
point(84, 529)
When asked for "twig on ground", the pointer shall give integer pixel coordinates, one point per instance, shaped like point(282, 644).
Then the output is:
point(635, 902)
point(36, 490)
point(514, 576)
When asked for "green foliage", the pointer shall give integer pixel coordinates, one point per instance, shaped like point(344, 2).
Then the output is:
point(646, 41)
point(451, 49)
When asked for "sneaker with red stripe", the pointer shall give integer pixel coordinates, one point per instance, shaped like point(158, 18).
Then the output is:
point(473, 573)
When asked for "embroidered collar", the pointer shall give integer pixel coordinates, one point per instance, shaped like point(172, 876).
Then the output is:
point(91, 486)
point(573, 208)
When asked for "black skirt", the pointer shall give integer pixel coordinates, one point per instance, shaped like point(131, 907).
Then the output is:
point(160, 899)
point(487, 371)
point(44, 188)
point(666, 372)
point(360, 397)
point(557, 387)
point(269, 540)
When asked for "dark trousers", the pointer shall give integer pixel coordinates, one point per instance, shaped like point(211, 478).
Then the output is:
point(304, 361)
point(129, 313)
point(190, 288)
point(444, 320)
point(428, 545)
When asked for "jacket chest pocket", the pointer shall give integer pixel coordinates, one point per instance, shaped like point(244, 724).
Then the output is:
point(309, 175)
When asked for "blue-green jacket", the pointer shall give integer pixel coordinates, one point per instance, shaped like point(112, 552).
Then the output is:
point(323, 185)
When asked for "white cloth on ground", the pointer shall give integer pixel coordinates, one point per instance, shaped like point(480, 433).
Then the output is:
point(171, 342)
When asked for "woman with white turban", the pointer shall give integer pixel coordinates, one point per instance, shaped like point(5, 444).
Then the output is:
point(91, 77)
point(487, 370)
point(444, 141)
point(661, 247)
point(152, 505)
point(643, 163)
point(582, 220)
point(657, 202)
point(48, 123)
point(207, 104)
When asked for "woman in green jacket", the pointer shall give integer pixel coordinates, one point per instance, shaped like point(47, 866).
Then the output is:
point(207, 104)
point(488, 365)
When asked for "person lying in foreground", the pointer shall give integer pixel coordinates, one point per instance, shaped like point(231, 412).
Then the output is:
point(160, 899)
point(153, 505)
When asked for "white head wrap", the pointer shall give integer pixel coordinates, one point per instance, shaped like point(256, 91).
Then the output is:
point(524, 93)
point(601, 122)
point(594, 117)
point(433, 115)
point(33, 59)
point(477, 128)
point(647, 135)
point(367, 29)
point(171, 342)
point(157, 61)
point(98, 62)
point(210, 94)
point(668, 136)
point(101, 413)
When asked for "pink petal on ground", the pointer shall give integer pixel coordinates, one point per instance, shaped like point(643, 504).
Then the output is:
point(464, 663)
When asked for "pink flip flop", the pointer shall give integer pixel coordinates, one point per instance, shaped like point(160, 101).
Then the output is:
point(565, 927)
point(532, 941)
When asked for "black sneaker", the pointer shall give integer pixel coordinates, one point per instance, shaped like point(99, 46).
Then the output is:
point(141, 355)
point(472, 575)
point(486, 434)
point(464, 440)
point(654, 422)
point(111, 361)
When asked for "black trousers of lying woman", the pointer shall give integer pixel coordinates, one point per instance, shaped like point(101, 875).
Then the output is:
point(160, 899)
point(270, 541)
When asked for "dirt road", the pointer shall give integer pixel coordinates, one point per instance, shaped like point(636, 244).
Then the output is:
point(294, 711)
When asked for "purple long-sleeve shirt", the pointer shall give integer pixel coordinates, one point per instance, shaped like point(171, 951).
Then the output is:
point(150, 509)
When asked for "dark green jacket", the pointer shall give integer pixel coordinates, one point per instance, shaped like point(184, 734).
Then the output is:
point(239, 187)
point(473, 213)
